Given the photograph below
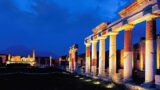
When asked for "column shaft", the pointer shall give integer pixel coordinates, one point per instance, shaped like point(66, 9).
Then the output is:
point(150, 64)
point(94, 58)
point(142, 54)
point(74, 60)
point(70, 62)
point(158, 52)
point(102, 57)
point(127, 55)
point(112, 55)
point(88, 59)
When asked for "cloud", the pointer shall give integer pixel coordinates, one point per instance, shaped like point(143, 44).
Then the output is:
point(103, 9)
point(53, 24)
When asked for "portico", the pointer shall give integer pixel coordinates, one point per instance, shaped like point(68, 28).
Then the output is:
point(139, 11)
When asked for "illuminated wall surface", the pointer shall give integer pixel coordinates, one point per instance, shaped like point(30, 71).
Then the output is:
point(22, 60)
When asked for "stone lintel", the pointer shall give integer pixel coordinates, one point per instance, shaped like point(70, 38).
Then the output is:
point(100, 27)
point(132, 8)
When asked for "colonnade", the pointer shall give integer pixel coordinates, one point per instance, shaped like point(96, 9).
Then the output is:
point(137, 12)
point(150, 52)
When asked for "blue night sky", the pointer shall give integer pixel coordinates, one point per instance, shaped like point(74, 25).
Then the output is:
point(54, 25)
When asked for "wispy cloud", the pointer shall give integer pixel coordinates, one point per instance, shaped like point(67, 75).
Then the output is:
point(102, 8)
point(53, 24)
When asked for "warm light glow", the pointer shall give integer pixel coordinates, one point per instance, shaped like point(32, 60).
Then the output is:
point(88, 80)
point(96, 82)
point(81, 78)
point(22, 60)
point(110, 85)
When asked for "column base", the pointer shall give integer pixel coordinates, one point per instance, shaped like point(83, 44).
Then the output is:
point(94, 71)
point(94, 77)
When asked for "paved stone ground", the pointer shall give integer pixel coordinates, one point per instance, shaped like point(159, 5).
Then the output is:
point(46, 80)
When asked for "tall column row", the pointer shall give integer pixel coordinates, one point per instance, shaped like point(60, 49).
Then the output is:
point(150, 54)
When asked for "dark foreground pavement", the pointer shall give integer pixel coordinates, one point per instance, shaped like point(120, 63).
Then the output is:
point(46, 79)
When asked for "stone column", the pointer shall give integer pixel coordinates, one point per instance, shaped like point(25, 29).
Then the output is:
point(150, 63)
point(112, 55)
point(88, 59)
point(94, 57)
point(128, 54)
point(158, 51)
point(102, 49)
point(142, 54)
point(122, 59)
point(70, 60)
point(50, 61)
point(74, 58)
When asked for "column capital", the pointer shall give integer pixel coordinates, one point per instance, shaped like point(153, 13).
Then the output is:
point(87, 44)
point(94, 41)
point(113, 33)
point(74, 49)
point(129, 27)
point(151, 17)
point(102, 37)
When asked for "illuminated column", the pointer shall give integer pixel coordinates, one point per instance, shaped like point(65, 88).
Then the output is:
point(72, 61)
point(74, 58)
point(70, 58)
point(102, 57)
point(88, 58)
point(150, 63)
point(158, 51)
point(33, 55)
point(94, 57)
point(50, 58)
point(112, 55)
point(128, 53)
point(142, 54)
point(122, 59)
point(9, 57)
